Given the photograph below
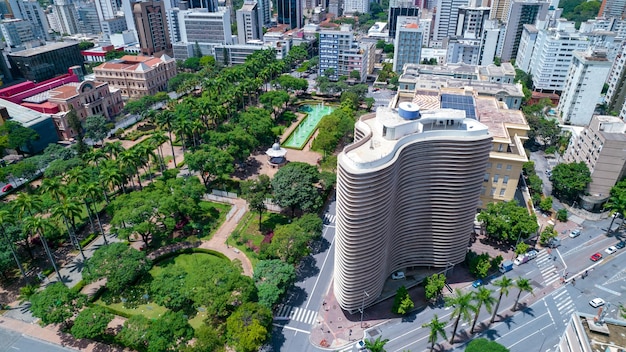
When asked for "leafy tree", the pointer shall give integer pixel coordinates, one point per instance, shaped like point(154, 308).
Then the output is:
point(437, 328)
point(529, 168)
point(96, 128)
point(570, 180)
point(463, 307)
point(503, 284)
point(377, 345)
point(290, 243)
point(249, 327)
point(562, 215)
point(482, 297)
point(521, 248)
point(56, 304)
point(84, 45)
point(91, 323)
point(255, 192)
point(134, 333)
point(212, 163)
point(434, 286)
point(546, 205)
point(506, 221)
point(484, 345)
point(293, 187)
point(402, 303)
point(479, 264)
point(15, 136)
point(617, 201)
point(119, 263)
point(523, 285)
point(207, 339)
point(547, 235)
point(272, 279)
point(169, 290)
point(274, 100)
point(169, 332)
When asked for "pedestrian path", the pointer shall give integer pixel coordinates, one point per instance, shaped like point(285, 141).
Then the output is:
point(329, 219)
point(564, 304)
point(545, 262)
point(287, 312)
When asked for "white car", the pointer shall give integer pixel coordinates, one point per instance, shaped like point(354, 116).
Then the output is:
point(596, 302)
point(610, 250)
point(360, 346)
point(398, 275)
point(574, 233)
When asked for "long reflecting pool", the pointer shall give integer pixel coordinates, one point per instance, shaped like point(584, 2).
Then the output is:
point(305, 129)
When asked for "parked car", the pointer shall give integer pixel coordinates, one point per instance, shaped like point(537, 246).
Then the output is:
point(596, 302)
point(398, 275)
point(620, 245)
point(610, 250)
point(360, 346)
point(532, 254)
point(7, 187)
point(596, 257)
point(477, 283)
point(521, 259)
point(574, 233)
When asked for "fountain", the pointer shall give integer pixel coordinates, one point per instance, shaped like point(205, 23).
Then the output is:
point(301, 134)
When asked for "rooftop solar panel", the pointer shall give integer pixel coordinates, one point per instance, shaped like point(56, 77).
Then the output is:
point(459, 102)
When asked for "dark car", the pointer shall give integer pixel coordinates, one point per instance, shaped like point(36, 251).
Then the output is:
point(620, 245)
point(596, 257)
point(7, 188)
point(477, 283)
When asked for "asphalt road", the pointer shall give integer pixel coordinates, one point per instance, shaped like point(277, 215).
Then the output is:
point(11, 341)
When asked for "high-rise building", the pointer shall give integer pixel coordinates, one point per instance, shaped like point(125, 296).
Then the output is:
point(290, 13)
point(584, 82)
point(464, 50)
point(67, 15)
point(356, 6)
point(446, 18)
point(499, 9)
point(408, 43)
point(209, 5)
point(88, 20)
point(113, 25)
point(407, 174)
point(616, 94)
point(195, 29)
point(106, 9)
point(16, 32)
point(520, 12)
point(491, 41)
point(340, 54)
point(400, 8)
point(31, 11)
point(601, 146)
point(552, 55)
point(612, 8)
point(265, 9)
point(151, 25)
point(471, 22)
point(249, 25)
point(526, 47)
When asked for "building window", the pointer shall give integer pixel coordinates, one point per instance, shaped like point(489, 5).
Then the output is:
point(499, 166)
point(496, 177)
point(509, 167)
point(493, 191)
point(506, 179)
point(502, 191)
point(486, 179)
point(488, 165)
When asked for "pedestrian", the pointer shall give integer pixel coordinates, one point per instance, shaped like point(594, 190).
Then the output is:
point(574, 282)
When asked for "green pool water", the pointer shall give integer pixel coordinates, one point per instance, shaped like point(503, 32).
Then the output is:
point(301, 134)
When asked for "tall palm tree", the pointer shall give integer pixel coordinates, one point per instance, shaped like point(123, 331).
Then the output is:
point(111, 176)
point(26, 204)
point(523, 285)
point(54, 187)
point(76, 176)
point(617, 204)
point(504, 284)
point(376, 346)
point(94, 156)
point(130, 162)
point(437, 328)
point(113, 149)
point(183, 128)
point(5, 218)
point(68, 211)
point(165, 119)
point(39, 225)
point(463, 308)
point(482, 297)
point(157, 140)
point(145, 153)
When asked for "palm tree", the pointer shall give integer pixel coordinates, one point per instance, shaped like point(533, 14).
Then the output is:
point(76, 175)
point(38, 225)
point(54, 187)
point(165, 119)
point(377, 346)
point(27, 204)
point(111, 176)
point(157, 140)
point(94, 156)
point(113, 149)
point(130, 162)
point(463, 307)
point(437, 328)
point(145, 153)
point(617, 204)
point(504, 285)
point(523, 285)
point(5, 218)
point(482, 297)
point(68, 211)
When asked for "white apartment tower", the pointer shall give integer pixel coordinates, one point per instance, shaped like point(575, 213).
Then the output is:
point(616, 94)
point(67, 16)
point(340, 54)
point(471, 22)
point(446, 18)
point(354, 6)
point(584, 82)
point(106, 9)
point(408, 43)
point(249, 22)
point(520, 12)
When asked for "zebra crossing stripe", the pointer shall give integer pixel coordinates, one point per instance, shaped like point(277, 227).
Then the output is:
point(560, 294)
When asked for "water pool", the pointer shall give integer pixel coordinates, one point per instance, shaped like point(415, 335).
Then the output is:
point(301, 134)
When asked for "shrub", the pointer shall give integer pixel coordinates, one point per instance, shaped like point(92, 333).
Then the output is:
point(402, 303)
point(562, 215)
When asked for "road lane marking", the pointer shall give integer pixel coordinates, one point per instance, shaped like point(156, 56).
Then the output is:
point(608, 290)
point(538, 331)
point(521, 326)
point(291, 328)
point(330, 248)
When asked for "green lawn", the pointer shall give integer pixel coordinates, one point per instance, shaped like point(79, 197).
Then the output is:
point(216, 214)
point(248, 229)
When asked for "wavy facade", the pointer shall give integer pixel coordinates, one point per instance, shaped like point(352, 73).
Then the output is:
point(407, 193)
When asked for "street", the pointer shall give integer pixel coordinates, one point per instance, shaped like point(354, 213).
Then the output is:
point(15, 341)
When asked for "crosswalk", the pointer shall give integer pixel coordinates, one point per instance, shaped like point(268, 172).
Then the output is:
point(329, 219)
point(287, 312)
point(564, 304)
point(545, 263)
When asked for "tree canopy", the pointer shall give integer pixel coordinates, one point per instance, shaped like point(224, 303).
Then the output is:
point(484, 345)
point(506, 221)
point(294, 187)
point(56, 304)
point(249, 327)
point(91, 323)
point(120, 264)
point(570, 180)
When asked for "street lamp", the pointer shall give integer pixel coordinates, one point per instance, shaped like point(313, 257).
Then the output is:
point(363, 306)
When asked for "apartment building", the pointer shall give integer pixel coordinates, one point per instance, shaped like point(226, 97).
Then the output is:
point(520, 12)
point(407, 43)
point(584, 82)
point(151, 25)
point(16, 32)
point(408, 172)
point(249, 22)
point(601, 147)
point(190, 26)
point(340, 54)
point(616, 94)
point(137, 76)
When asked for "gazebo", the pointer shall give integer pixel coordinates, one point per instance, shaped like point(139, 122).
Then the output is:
point(276, 155)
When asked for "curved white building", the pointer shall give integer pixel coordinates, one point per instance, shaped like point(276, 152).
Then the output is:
point(407, 193)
